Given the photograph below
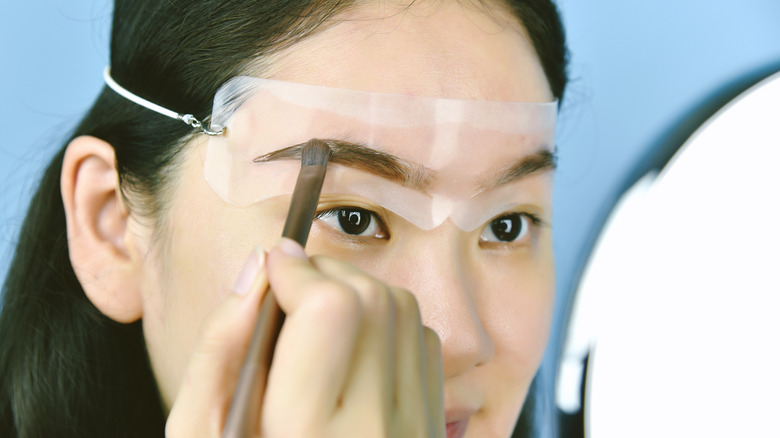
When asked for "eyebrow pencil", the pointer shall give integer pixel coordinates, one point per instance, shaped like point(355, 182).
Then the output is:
point(248, 397)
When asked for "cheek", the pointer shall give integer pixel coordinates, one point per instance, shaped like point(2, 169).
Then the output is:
point(194, 267)
point(518, 304)
point(518, 314)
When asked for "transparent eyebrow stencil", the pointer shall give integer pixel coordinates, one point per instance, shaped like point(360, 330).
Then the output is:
point(424, 159)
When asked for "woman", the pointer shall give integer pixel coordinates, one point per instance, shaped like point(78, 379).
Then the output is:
point(131, 299)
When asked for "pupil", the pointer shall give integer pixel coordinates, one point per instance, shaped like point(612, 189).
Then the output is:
point(506, 228)
point(354, 221)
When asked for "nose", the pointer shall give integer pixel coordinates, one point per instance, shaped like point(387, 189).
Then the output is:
point(441, 271)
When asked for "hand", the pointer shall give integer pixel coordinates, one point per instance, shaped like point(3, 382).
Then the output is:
point(353, 358)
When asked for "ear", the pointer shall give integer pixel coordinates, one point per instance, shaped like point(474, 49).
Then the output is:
point(100, 245)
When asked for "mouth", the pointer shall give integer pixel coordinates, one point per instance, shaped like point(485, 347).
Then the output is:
point(462, 400)
point(457, 420)
point(457, 429)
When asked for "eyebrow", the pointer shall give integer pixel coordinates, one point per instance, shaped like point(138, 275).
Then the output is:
point(541, 161)
point(407, 173)
point(361, 157)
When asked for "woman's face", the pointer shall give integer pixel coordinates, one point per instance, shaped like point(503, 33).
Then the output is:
point(489, 299)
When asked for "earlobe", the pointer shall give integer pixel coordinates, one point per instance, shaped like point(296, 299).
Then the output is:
point(100, 246)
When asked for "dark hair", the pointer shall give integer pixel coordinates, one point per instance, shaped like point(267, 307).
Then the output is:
point(65, 368)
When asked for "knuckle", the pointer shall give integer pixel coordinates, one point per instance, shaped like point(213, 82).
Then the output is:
point(373, 293)
point(375, 296)
point(406, 304)
point(432, 339)
point(333, 297)
point(320, 261)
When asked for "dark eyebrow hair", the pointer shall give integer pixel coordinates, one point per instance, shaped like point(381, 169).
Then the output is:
point(406, 173)
point(361, 157)
point(540, 161)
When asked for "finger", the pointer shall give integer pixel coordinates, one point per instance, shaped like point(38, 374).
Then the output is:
point(410, 392)
point(434, 381)
point(210, 378)
point(314, 349)
point(369, 386)
point(291, 275)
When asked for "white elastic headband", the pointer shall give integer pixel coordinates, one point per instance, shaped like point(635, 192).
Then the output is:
point(186, 118)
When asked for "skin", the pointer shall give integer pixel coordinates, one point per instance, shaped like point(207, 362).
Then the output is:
point(355, 318)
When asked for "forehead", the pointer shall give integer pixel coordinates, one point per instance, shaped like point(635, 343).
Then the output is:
point(436, 49)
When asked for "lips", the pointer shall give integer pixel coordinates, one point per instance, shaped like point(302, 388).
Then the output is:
point(457, 421)
point(457, 429)
point(462, 399)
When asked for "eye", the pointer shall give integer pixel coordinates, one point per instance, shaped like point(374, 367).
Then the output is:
point(507, 228)
point(354, 221)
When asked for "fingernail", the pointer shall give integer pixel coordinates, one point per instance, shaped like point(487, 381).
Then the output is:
point(249, 272)
point(291, 248)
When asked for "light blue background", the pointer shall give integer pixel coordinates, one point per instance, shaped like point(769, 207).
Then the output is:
point(636, 69)
point(52, 54)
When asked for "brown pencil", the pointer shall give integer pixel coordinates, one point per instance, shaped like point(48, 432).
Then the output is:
point(247, 400)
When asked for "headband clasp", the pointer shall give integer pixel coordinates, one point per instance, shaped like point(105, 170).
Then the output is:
point(186, 118)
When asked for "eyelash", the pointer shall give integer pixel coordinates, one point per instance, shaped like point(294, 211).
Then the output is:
point(529, 224)
point(373, 219)
point(352, 216)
